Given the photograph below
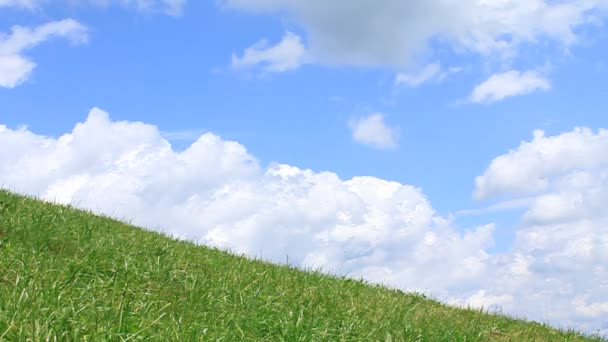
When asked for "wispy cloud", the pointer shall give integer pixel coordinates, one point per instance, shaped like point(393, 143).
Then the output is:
point(507, 84)
point(519, 203)
point(288, 54)
point(15, 68)
point(430, 73)
point(182, 135)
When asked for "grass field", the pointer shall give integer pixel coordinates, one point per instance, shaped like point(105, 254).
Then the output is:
point(66, 274)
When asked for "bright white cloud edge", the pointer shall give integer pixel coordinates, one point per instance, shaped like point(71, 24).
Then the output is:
point(217, 193)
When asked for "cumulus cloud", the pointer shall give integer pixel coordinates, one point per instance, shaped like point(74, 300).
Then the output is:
point(288, 54)
point(373, 131)
point(15, 68)
point(395, 32)
point(562, 241)
point(363, 227)
point(506, 84)
point(532, 168)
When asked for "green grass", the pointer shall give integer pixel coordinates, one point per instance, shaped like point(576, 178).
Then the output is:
point(67, 274)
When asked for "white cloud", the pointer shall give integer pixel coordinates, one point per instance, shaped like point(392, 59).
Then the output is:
point(488, 302)
point(562, 241)
point(498, 207)
point(395, 32)
point(592, 310)
point(429, 72)
point(385, 231)
point(373, 131)
point(16, 68)
point(288, 54)
point(363, 227)
point(510, 83)
point(532, 167)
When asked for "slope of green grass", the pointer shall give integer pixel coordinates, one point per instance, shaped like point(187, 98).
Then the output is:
point(70, 275)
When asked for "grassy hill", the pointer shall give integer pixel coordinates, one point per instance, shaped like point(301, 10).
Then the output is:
point(66, 274)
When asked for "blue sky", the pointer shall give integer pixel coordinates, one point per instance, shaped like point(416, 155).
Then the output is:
point(186, 72)
point(175, 72)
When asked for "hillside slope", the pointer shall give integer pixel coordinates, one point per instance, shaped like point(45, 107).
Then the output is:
point(66, 274)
